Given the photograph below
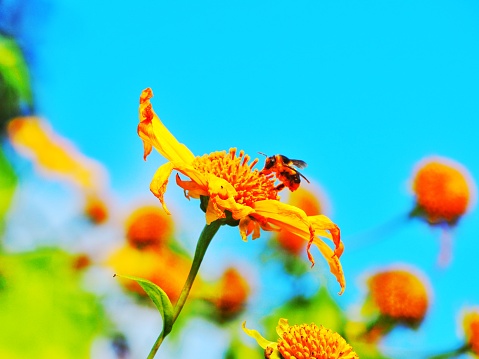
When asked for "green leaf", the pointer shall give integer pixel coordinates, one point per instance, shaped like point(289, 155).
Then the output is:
point(8, 183)
point(159, 298)
point(15, 90)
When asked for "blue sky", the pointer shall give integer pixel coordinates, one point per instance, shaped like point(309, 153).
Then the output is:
point(361, 91)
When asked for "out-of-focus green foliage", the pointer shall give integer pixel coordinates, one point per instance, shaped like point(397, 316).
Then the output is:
point(239, 350)
point(15, 90)
point(45, 312)
point(367, 350)
point(8, 183)
point(319, 309)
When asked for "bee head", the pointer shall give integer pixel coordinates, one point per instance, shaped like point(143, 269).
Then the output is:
point(269, 162)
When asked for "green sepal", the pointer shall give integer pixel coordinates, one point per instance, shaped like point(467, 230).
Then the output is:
point(159, 298)
point(419, 212)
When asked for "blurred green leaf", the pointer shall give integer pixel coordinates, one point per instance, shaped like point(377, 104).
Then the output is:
point(8, 183)
point(367, 350)
point(45, 312)
point(320, 309)
point(159, 298)
point(15, 89)
point(239, 350)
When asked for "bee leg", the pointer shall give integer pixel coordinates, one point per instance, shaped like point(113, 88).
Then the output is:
point(280, 187)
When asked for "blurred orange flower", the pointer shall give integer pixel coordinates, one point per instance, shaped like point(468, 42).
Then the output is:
point(232, 187)
point(163, 267)
point(303, 341)
point(148, 226)
point(52, 154)
point(232, 293)
point(471, 329)
point(400, 295)
point(306, 200)
point(96, 209)
point(443, 191)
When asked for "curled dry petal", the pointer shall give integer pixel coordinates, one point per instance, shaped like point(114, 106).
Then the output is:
point(153, 133)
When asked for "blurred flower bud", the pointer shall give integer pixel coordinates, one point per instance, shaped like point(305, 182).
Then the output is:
point(163, 267)
point(232, 294)
point(471, 329)
point(148, 226)
point(400, 296)
point(443, 191)
point(96, 210)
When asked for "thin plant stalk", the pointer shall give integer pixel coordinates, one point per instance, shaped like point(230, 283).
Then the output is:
point(204, 241)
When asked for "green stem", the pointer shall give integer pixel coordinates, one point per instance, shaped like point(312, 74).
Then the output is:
point(204, 241)
point(156, 346)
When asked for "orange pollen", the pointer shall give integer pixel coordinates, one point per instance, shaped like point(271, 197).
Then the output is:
point(311, 341)
point(249, 183)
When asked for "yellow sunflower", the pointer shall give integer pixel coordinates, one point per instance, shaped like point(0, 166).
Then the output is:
point(233, 189)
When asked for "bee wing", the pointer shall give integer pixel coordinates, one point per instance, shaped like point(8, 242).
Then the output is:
point(291, 168)
point(299, 163)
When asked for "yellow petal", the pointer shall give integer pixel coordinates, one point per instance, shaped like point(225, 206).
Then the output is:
point(191, 188)
point(282, 327)
point(321, 223)
point(213, 212)
point(294, 220)
point(160, 181)
point(237, 210)
point(222, 197)
point(333, 262)
point(262, 342)
point(248, 225)
point(153, 133)
point(244, 228)
point(283, 213)
point(52, 154)
point(220, 187)
point(196, 176)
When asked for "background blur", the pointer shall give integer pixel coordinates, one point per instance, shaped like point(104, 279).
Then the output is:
point(361, 91)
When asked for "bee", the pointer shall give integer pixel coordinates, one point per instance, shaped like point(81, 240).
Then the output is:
point(285, 170)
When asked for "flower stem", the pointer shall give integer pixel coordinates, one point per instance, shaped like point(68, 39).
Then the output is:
point(206, 236)
point(204, 241)
point(156, 346)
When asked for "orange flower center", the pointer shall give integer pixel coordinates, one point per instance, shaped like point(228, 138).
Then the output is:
point(442, 192)
point(311, 341)
point(249, 183)
point(399, 295)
